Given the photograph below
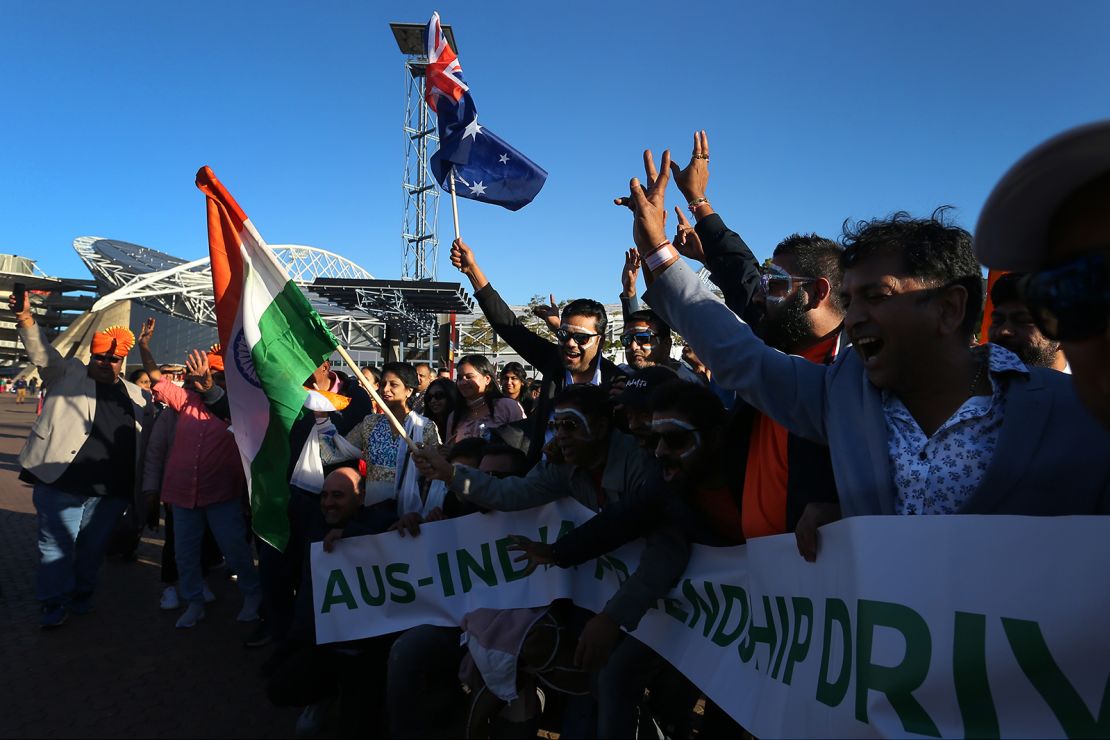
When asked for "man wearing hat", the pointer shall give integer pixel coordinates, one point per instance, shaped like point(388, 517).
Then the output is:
point(82, 457)
point(1050, 216)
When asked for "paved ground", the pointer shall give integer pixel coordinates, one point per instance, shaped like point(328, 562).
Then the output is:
point(122, 671)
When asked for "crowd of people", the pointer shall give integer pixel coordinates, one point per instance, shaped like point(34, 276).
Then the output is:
point(845, 377)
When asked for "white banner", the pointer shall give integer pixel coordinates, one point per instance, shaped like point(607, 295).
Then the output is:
point(929, 626)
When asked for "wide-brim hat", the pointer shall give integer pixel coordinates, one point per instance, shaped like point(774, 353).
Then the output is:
point(1012, 233)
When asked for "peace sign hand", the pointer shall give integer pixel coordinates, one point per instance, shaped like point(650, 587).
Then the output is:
point(694, 179)
point(649, 224)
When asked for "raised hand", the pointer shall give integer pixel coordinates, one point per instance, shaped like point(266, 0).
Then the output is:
point(146, 332)
point(23, 310)
point(630, 272)
point(686, 239)
point(693, 180)
point(533, 553)
point(650, 221)
point(197, 370)
point(462, 257)
point(549, 314)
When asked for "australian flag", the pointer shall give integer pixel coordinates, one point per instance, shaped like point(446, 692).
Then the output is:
point(486, 168)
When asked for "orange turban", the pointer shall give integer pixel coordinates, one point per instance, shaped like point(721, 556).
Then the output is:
point(216, 358)
point(115, 339)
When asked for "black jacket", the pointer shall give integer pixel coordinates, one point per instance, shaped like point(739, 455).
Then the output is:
point(734, 269)
point(542, 354)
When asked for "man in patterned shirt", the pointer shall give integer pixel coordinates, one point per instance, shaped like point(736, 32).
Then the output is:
point(913, 417)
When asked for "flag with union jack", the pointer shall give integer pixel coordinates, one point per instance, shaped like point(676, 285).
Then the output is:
point(485, 167)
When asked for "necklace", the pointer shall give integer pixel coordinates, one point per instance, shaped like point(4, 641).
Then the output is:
point(978, 375)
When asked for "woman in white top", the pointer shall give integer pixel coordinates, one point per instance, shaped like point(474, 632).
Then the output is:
point(390, 470)
point(486, 407)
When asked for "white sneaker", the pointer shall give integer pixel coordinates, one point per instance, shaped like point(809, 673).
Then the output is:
point(209, 597)
point(192, 615)
point(311, 721)
point(170, 600)
point(251, 604)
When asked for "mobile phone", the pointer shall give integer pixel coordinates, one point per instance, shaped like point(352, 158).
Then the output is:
point(19, 290)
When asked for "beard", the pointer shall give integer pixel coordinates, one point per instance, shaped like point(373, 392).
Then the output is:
point(786, 326)
point(1033, 354)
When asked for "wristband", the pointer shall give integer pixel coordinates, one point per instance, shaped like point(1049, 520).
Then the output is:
point(661, 256)
point(692, 205)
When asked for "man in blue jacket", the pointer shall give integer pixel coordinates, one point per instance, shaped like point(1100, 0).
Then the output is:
point(917, 421)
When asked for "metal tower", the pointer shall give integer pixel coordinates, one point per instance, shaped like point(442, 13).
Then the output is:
point(419, 231)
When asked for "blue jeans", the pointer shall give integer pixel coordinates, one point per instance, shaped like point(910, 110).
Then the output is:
point(74, 532)
point(230, 530)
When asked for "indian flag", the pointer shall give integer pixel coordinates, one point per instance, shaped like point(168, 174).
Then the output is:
point(272, 340)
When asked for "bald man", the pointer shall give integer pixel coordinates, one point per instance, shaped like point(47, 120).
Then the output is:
point(307, 674)
point(340, 500)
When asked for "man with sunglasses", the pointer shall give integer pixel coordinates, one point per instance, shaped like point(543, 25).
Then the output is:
point(916, 422)
point(590, 461)
point(1049, 216)
point(82, 458)
point(575, 356)
point(697, 500)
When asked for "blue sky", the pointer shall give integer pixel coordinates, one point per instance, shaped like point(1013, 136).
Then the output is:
point(816, 112)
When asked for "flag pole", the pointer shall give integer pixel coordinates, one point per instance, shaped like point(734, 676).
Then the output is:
point(454, 203)
point(397, 426)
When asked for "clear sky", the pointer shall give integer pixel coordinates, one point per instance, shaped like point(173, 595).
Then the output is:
point(817, 111)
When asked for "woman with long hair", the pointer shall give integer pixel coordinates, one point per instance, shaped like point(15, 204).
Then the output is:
point(514, 385)
point(441, 400)
point(390, 470)
point(484, 406)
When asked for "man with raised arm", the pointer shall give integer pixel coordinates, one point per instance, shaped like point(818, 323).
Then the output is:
point(575, 356)
point(82, 457)
point(913, 416)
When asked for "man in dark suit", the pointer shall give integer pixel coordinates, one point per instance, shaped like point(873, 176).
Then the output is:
point(574, 358)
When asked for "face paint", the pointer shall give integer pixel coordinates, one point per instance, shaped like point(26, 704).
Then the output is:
point(668, 437)
point(569, 413)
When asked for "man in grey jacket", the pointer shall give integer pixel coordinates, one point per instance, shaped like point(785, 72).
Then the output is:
point(917, 421)
point(82, 457)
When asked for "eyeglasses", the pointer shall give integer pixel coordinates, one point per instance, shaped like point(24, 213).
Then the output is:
point(580, 338)
point(107, 358)
point(571, 426)
point(776, 283)
point(435, 396)
point(678, 439)
point(1071, 302)
point(641, 338)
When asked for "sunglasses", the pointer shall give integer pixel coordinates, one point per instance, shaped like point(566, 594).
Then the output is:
point(109, 359)
point(435, 396)
point(678, 439)
point(776, 283)
point(571, 426)
point(641, 338)
point(1071, 302)
point(580, 338)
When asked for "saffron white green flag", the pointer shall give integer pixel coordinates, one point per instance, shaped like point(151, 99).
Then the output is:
point(272, 341)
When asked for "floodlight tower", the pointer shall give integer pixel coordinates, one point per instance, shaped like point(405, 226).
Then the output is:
point(419, 237)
